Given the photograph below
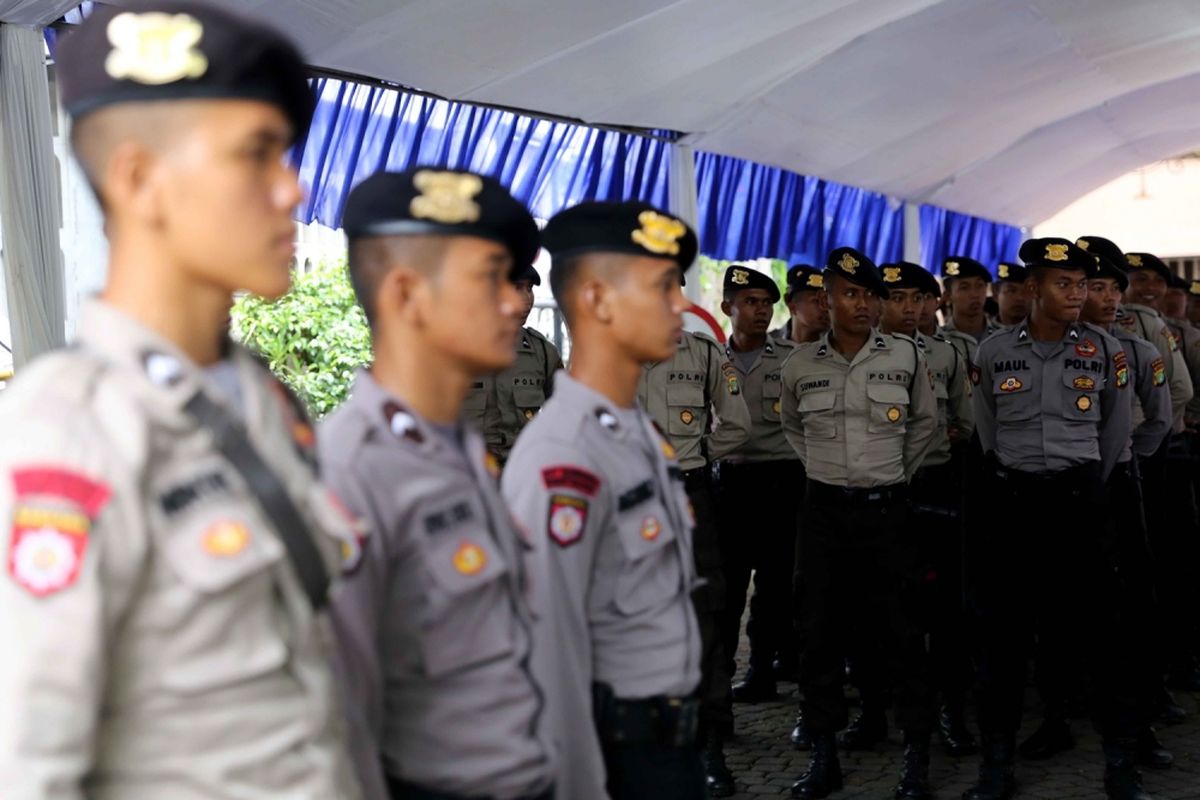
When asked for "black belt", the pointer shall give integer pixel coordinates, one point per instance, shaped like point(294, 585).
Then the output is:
point(402, 790)
point(729, 468)
point(850, 495)
point(661, 720)
point(1071, 475)
point(698, 478)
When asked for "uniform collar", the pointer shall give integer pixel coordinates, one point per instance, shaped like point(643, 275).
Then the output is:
point(876, 340)
point(1073, 334)
point(591, 405)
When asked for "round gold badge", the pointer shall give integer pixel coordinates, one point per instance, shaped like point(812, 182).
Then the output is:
point(775, 407)
point(893, 414)
point(686, 416)
point(1083, 403)
point(469, 559)
point(529, 414)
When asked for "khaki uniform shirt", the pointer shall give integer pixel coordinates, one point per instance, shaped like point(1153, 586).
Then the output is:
point(762, 390)
point(952, 388)
point(500, 405)
point(158, 643)
point(1188, 339)
point(1150, 401)
point(441, 595)
point(600, 493)
point(863, 423)
point(1147, 323)
point(696, 399)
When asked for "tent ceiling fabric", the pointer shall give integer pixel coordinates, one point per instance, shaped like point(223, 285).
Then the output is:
point(34, 12)
point(1005, 109)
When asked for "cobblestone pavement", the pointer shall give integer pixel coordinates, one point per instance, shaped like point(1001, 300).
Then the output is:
point(765, 763)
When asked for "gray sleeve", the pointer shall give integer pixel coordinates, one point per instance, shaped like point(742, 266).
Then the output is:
point(566, 569)
point(1115, 410)
point(732, 418)
point(1154, 398)
point(922, 416)
point(961, 416)
point(789, 408)
point(984, 401)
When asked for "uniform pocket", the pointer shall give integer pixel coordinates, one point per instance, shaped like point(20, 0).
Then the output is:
point(528, 400)
point(1015, 400)
point(476, 402)
point(772, 395)
point(889, 408)
point(1081, 402)
point(818, 415)
point(652, 575)
point(685, 409)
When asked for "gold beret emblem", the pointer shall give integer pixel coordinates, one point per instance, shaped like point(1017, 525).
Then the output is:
point(1134, 260)
point(848, 263)
point(891, 274)
point(155, 48)
point(1082, 244)
point(816, 281)
point(1194, 288)
point(1002, 271)
point(659, 233)
point(740, 276)
point(951, 268)
point(1056, 252)
point(446, 197)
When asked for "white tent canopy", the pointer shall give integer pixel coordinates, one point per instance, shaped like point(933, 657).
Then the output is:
point(1006, 109)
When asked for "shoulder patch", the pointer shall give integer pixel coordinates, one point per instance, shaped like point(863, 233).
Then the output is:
point(53, 511)
point(567, 519)
point(731, 377)
point(570, 477)
point(1158, 371)
point(974, 372)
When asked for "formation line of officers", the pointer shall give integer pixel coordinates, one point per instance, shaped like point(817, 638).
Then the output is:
point(485, 577)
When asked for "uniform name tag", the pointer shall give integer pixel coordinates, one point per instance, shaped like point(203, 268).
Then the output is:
point(1086, 366)
point(685, 377)
point(636, 496)
point(1010, 366)
point(808, 386)
point(448, 517)
point(888, 377)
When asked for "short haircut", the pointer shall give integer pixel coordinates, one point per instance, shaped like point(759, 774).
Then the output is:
point(371, 258)
point(565, 273)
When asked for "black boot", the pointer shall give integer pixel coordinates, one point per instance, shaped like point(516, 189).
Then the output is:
point(914, 779)
point(1150, 752)
point(996, 779)
point(1183, 676)
point(756, 687)
point(1050, 739)
point(786, 668)
point(717, 776)
point(1169, 711)
point(1122, 781)
point(953, 730)
point(868, 729)
point(824, 774)
point(800, 734)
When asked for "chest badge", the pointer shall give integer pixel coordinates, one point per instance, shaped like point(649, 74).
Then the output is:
point(1083, 402)
point(1085, 348)
point(775, 407)
point(226, 539)
point(893, 414)
point(469, 559)
point(686, 417)
point(1011, 384)
point(651, 528)
point(1084, 383)
point(530, 414)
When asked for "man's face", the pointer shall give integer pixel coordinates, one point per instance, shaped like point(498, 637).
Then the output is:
point(808, 311)
point(967, 295)
point(225, 197)
point(928, 321)
point(1193, 309)
point(749, 312)
point(902, 309)
point(1012, 299)
point(1060, 293)
point(1175, 304)
point(849, 307)
point(1146, 287)
point(525, 290)
point(469, 308)
point(648, 308)
point(1103, 298)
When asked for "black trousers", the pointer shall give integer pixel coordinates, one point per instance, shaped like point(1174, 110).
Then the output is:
point(757, 505)
point(716, 698)
point(1172, 532)
point(399, 790)
point(653, 772)
point(1051, 554)
point(857, 575)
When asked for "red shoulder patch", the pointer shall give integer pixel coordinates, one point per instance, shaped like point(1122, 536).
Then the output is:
point(566, 476)
point(567, 519)
point(974, 372)
point(53, 511)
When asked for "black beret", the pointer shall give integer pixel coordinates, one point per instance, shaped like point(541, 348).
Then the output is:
point(848, 263)
point(803, 277)
point(1107, 269)
point(631, 227)
point(428, 201)
point(1008, 272)
point(527, 273)
point(930, 284)
point(739, 277)
point(965, 267)
point(179, 50)
point(1104, 248)
point(1148, 261)
point(905, 275)
point(1058, 254)
point(1176, 282)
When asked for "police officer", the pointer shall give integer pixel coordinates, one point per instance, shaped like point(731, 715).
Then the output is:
point(1175, 314)
point(1193, 303)
point(762, 475)
point(967, 284)
point(441, 592)
point(695, 400)
point(170, 550)
point(936, 500)
point(808, 318)
point(860, 411)
point(499, 405)
point(601, 495)
point(1053, 421)
point(1008, 290)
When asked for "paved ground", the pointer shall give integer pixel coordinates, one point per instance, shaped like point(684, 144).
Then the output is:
point(766, 764)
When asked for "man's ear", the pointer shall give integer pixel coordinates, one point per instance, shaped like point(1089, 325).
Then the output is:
point(403, 295)
point(131, 182)
point(727, 308)
point(823, 300)
point(597, 300)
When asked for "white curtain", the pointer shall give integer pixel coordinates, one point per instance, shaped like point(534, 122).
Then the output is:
point(30, 205)
point(681, 194)
point(34, 12)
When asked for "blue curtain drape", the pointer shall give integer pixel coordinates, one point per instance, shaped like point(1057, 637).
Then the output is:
point(359, 129)
point(948, 233)
point(748, 210)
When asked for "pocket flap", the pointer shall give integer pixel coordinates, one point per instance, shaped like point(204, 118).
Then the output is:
point(888, 393)
point(212, 553)
point(461, 563)
point(817, 401)
point(685, 394)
